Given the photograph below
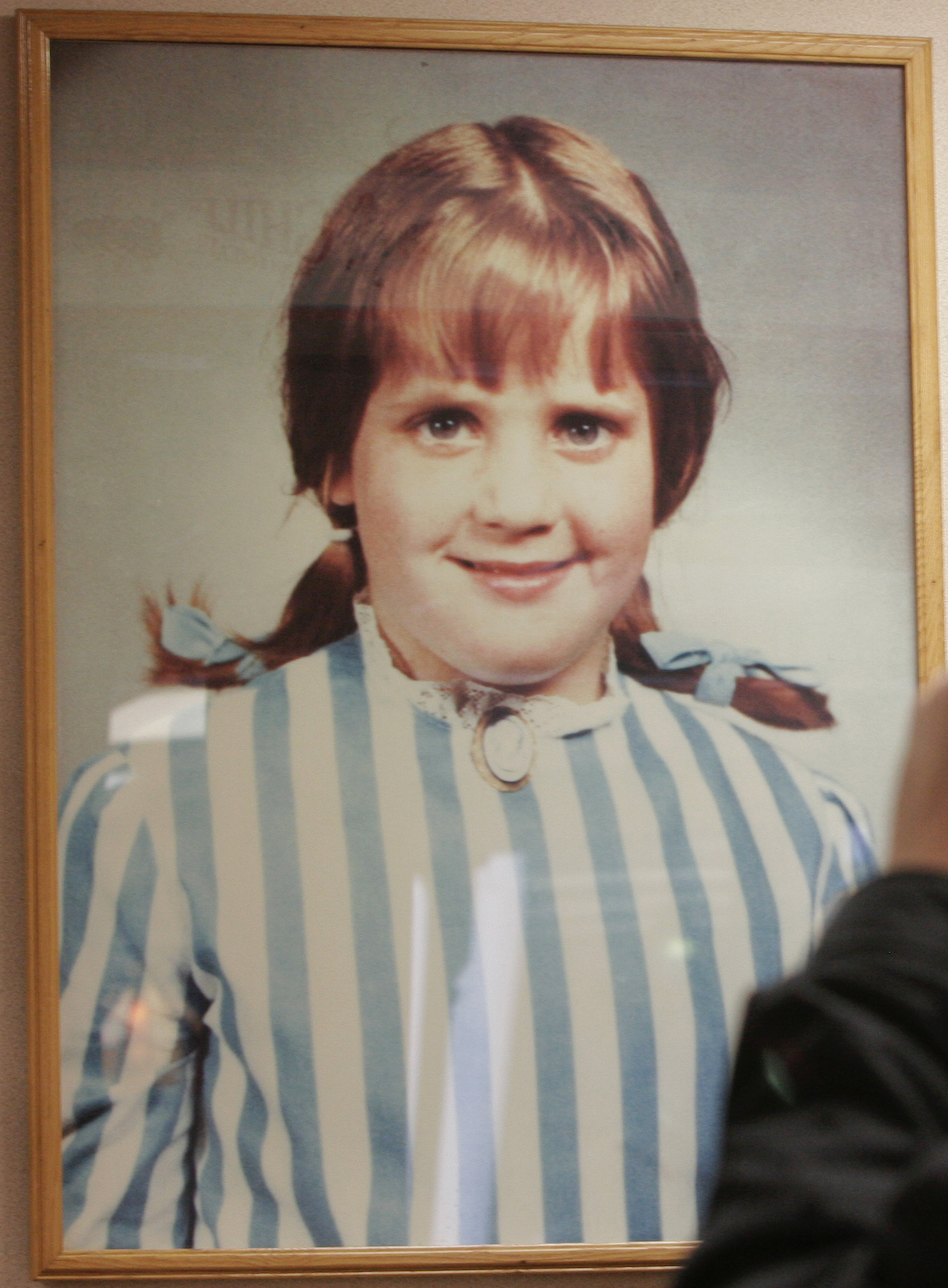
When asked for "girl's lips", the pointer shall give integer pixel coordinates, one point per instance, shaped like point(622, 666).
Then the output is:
point(518, 581)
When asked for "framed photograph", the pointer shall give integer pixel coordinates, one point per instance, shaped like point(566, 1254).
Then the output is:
point(483, 538)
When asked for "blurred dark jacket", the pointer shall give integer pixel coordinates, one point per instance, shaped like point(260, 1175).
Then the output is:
point(835, 1161)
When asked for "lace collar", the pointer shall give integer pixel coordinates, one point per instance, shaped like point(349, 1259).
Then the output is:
point(465, 702)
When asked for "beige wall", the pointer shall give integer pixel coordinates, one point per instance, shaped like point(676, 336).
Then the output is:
point(903, 17)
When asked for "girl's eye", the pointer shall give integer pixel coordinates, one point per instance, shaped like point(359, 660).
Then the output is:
point(583, 429)
point(446, 425)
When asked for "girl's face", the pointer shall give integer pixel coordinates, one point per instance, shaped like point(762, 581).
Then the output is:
point(504, 529)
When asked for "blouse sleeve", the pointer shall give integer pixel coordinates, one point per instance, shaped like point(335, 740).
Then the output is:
point(131, 1029)
point(849, 858)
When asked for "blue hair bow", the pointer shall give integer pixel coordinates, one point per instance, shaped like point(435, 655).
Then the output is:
point(188, 632)
point(723, 664)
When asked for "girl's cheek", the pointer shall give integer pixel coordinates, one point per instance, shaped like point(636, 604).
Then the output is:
point(405, 507)
point(619, 519)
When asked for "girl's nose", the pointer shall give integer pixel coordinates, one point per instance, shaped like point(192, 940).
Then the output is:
point(517, 492)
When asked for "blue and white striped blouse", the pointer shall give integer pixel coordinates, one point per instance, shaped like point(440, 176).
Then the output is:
point(323, 985)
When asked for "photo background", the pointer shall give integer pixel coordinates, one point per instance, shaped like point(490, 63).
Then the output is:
point(189, 180)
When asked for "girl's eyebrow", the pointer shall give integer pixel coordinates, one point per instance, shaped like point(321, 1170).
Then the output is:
point(423, 406)
point(437, 396)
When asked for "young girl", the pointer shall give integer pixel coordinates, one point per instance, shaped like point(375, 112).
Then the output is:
point(433, 925)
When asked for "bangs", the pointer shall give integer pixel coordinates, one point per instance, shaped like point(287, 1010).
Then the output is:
point(477, 301)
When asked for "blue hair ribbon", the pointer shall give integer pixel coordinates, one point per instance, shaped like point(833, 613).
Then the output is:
point(188, 632)
point(723, 664)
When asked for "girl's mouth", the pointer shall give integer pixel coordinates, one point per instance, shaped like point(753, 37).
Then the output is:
point(519, 581)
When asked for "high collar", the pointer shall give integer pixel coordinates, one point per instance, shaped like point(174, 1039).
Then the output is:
point(462, 703)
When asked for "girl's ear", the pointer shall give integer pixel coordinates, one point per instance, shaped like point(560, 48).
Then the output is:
point(341, 490)
point(337, 489)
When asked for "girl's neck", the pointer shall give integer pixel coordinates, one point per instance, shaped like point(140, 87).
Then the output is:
point(582, 681)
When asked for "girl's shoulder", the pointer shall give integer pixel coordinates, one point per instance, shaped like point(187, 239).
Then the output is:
point(739, 759)
point(169, 715)
point(714, 726)
point(151, 720)
point(325, 678)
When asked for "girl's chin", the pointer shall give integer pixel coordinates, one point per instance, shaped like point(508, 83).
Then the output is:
point(569, 664)
point(576, 675)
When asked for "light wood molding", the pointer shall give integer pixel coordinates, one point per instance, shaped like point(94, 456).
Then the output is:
point(422, 33)
point(923, 310)
point(633, 1258)
point(39, 639)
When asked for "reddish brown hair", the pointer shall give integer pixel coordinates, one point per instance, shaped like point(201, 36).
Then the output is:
point(470, 249)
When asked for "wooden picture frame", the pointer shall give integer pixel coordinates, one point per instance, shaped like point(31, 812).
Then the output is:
point(39, 30)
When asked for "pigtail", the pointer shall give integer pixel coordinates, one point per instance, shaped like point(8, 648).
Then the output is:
point(767, 699)
point(170, 668)
point(317, 613)
point(319, 609)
